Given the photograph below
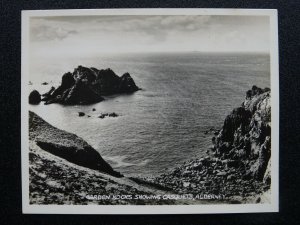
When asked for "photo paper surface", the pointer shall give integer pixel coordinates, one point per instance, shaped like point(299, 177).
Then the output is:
point(150, 111)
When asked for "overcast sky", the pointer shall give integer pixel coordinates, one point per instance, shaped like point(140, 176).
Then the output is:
point(92, 35)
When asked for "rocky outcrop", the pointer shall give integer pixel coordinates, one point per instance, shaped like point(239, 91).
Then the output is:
point(238, 166)
point(246, 133)
point(103, 115)
point(34, 97)
point(48, 94)
point(66, 145)
point(88, 85)
point(81, 114)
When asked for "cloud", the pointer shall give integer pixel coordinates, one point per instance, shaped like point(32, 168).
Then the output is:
point(156, 27)
point(40, 31)
point(97, 34)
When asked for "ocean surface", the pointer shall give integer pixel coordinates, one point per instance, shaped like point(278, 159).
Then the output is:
point(161, 126)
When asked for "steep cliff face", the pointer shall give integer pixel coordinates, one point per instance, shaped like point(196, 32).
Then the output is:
point(246, 133)
point(238, 165)
point(88, 85)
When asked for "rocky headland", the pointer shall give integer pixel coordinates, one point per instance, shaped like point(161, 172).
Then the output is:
point(238, 164)
point(87, 85)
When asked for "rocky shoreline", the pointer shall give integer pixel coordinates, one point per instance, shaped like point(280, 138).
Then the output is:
point(238, 164)
point(64, 168)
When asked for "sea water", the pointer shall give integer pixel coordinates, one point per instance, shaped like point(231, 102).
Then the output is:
point(161, 126)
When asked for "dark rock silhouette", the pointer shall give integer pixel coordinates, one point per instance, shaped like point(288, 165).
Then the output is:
point(81, 114)
point(113, 114)
point(34, 97)
point(103, 115)
point(45, 83)
point(88, 85)
point(239, 117)
point(66, 145)
point(47, 95)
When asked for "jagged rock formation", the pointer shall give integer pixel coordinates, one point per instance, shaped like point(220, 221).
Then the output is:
point(103, 115)
point(239, 164)
point(66, 145)
point(246, 134)
point(48, 94)
point(88, 85)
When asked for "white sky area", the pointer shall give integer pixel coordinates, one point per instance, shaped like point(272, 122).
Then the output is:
point(95, 35)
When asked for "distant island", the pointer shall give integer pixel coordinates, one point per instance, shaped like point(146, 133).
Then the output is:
point(86, 86)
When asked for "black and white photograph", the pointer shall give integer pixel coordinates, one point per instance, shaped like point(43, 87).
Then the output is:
point(142, 111)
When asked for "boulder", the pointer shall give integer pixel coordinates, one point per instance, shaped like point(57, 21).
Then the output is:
point(81, 114)
point(34, 97)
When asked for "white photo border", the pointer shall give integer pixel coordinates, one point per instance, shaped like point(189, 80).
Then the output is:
point(152, 209)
